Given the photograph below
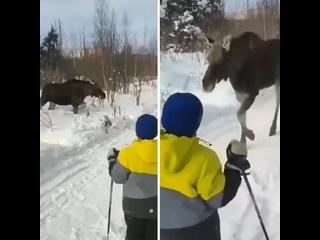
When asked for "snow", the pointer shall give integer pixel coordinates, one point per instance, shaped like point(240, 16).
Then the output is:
point(239, 220)
point(74, 179)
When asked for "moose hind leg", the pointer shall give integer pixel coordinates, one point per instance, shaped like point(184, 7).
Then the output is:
point(43, 101)
point(42, 104)
point(273, 127)
point(52, 106)
point(75, 108)
point(246, 103)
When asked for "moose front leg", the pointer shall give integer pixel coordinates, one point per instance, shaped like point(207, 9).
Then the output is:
point(77, 99)
point(75, 104)
point(75, 108)
point(246, 102)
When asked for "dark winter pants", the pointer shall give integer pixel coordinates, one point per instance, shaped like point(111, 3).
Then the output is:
point(209, 229)
point(141, 229)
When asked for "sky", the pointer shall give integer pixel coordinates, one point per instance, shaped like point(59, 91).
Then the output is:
point(76, 14)
point(233, 5)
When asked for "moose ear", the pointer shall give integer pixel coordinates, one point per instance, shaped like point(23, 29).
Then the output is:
point(226, 42)
point(207, 39)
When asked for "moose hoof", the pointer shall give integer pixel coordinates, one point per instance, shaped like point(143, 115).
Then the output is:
point(272, 132)
point(250, 134)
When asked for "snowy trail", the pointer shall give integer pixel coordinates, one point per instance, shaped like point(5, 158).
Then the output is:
point(70, 192)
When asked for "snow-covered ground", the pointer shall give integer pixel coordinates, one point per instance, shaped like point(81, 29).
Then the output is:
point(74, 179)
point(239, 221)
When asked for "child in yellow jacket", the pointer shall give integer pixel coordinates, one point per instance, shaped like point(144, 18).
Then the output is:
point(136, 168)
point(192, 184)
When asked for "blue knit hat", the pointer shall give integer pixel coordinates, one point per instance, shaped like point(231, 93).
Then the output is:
point(147, 127)
point(182, 114)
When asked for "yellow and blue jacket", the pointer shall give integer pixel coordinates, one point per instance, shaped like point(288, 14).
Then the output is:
point(136, 168)
point(192, 182)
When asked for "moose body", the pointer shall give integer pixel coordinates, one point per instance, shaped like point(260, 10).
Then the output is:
point(71, 92)
point(251, 64)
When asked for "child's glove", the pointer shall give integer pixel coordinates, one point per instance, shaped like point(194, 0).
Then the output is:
point(237, 156)
point(112, 157)
point(113, 154)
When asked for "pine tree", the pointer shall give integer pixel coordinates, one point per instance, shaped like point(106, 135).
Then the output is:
point(213, 12)
point(184, 19)
point(49, 50)
point(179, 20)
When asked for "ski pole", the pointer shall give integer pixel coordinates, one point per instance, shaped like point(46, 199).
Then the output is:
point(110, 204)
point(255, 204)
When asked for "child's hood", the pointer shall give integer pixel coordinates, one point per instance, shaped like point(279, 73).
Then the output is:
point(174, 152)
point(146, 149)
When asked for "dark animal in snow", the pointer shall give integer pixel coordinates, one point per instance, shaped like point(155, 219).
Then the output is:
point(251, 64)
point(71, 92)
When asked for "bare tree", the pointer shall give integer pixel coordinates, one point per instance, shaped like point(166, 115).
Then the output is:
point(135, 43)
point(73, 42)
point(269, 10)
point(144, 49)
point(145, 32)
point(101, 25)
point(112, 35)
point(61, 35)
point(59, 71)
point(74, 49)
point(136, 51)
point(80, 43)
point(84, 45)
point(153, 43)
point(126, 35)
point(113, 42)
point(113, 60)
point(137, 88)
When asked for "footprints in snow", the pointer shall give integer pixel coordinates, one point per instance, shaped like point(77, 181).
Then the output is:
point(57, 199)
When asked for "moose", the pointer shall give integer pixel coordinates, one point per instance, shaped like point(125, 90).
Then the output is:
point(251, 64)
point(72, 92)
